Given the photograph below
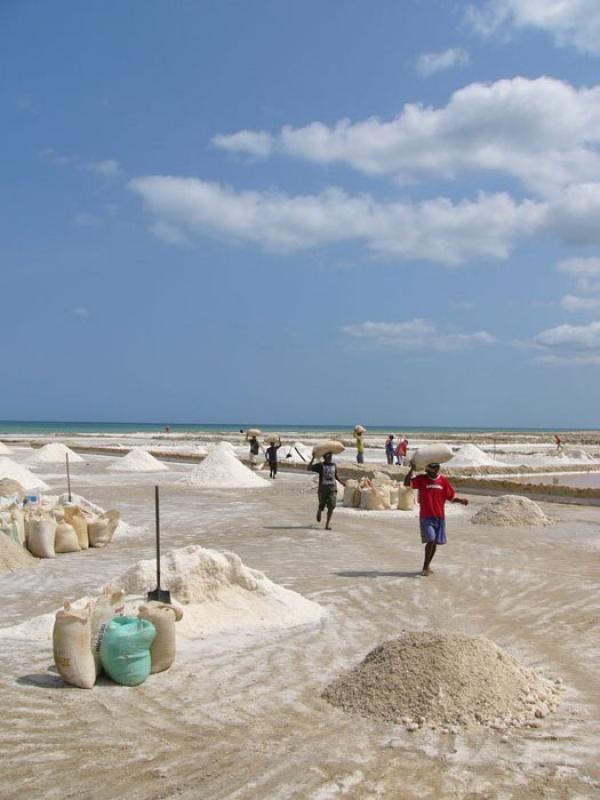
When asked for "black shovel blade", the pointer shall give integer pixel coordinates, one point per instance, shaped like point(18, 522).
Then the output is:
point(160, 595)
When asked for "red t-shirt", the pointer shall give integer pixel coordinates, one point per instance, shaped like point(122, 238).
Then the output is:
point(433, 493)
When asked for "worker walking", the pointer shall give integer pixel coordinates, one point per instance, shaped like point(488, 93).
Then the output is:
point(327, 490)
point(434, 490)
point(272, 456)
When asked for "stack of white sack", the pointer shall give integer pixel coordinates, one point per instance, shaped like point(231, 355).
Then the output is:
point(54, 525)
point(378, 494)
point(96, 634)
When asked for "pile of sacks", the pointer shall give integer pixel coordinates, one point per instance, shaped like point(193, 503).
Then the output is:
point(96, 635)
point(52, 526)
point(378, 494)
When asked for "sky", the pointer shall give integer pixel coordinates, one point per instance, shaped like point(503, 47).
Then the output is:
point(279, 212)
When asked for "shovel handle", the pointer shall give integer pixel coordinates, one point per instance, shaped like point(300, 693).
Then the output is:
point(157, 519)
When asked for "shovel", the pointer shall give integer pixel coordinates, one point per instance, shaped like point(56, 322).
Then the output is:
point(162, 595)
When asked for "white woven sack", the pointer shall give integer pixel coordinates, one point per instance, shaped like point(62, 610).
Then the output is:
point(430, 454)
point(349, 490)
point(370, 500)
point(40, 530)
point(71, 640)
point(65, 540)
point(75, 517)
point(101, 530)
point(163, 616)
point(406, 498)
point(331, 446)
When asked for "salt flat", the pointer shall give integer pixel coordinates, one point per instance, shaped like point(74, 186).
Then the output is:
point(240, 714)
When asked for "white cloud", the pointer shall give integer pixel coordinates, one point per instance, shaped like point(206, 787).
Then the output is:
point(571, 302)
point(109, 168)
point(169, 233)
point(429, 63)
point(436, 230)
point(569, 22)
point(543, 132)
point(257, 144)
point(578, 344)
point(416, 335)
point(81, 312)
point(584, 271)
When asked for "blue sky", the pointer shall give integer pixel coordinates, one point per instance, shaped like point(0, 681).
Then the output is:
point(301, 212)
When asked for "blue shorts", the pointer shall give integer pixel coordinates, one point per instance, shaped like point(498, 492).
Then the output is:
point(433, 530)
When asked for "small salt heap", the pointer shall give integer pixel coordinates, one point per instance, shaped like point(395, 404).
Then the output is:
point(29, 481)
point(472, 456)
point(221, 469)
point(137, 460)
point(511, 511)
point(54, 453)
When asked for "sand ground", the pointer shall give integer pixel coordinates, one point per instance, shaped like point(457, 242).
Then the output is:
point(239, 715)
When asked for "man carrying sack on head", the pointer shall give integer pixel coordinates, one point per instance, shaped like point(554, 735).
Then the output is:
point(327, 491)
point(434, 491)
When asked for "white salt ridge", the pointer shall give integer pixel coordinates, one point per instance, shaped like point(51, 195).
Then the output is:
point(4, 450)
point(472, 456)
point(54, 453)
point(137, 460)
point(220, 593)
point(29, 481)
point(221, 469)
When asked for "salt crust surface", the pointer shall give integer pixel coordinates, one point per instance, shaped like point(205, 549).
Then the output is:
point(29, 481)
point(4, 450)
point(217, 591)
point(137, 460)
point(54, 453)
point(444, 679)
point(511, 510)
point(221, 469)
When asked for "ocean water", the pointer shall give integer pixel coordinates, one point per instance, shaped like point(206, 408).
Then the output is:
point(42, 428)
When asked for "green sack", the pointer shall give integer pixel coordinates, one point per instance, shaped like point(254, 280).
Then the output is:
point(125, 650)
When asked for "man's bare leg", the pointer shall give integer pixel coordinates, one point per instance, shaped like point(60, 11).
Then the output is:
point(430, 549)
point(328, 521)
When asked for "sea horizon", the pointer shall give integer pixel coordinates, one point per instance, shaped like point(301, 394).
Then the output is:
point(75, 426)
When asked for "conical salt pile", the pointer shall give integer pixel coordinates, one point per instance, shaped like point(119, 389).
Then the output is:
point(222, 470)
point(137, 460)
point(443, 679)
point(54, 453)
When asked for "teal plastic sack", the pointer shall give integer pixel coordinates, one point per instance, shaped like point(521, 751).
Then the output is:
point(125, 650)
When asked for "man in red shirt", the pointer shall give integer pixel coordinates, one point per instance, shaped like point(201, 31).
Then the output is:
point(434, 491)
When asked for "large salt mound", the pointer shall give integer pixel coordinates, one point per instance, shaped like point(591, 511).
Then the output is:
point(29, 481)
point(221, 469)
point(4, 450)
point(54, 453)
point(137, 460)
point(220, 592)
point(472, 456)
point(443, 679)
point(297, 453)
point(511, 510)
point(13, 557)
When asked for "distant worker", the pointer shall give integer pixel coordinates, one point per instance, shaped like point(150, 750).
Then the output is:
point(401, 451)
point(167, 429)
point(558, 441)
point(389, 449)
point(327, 490)
point(271, 454)
point(254, 451)
point(434, 491)
point(360, 446)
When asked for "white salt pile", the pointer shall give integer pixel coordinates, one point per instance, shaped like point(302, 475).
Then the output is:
point(14, 557)
point(472, 456)
point(220, 592)
point(296, 453)
point(511, 510)
point(29, 481)
point(444, 679)
point(137, 460)
point(221, 469)
point(54, 453)
point(4, 450)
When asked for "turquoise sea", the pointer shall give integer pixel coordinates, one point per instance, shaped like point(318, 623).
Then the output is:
point(42, 428)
